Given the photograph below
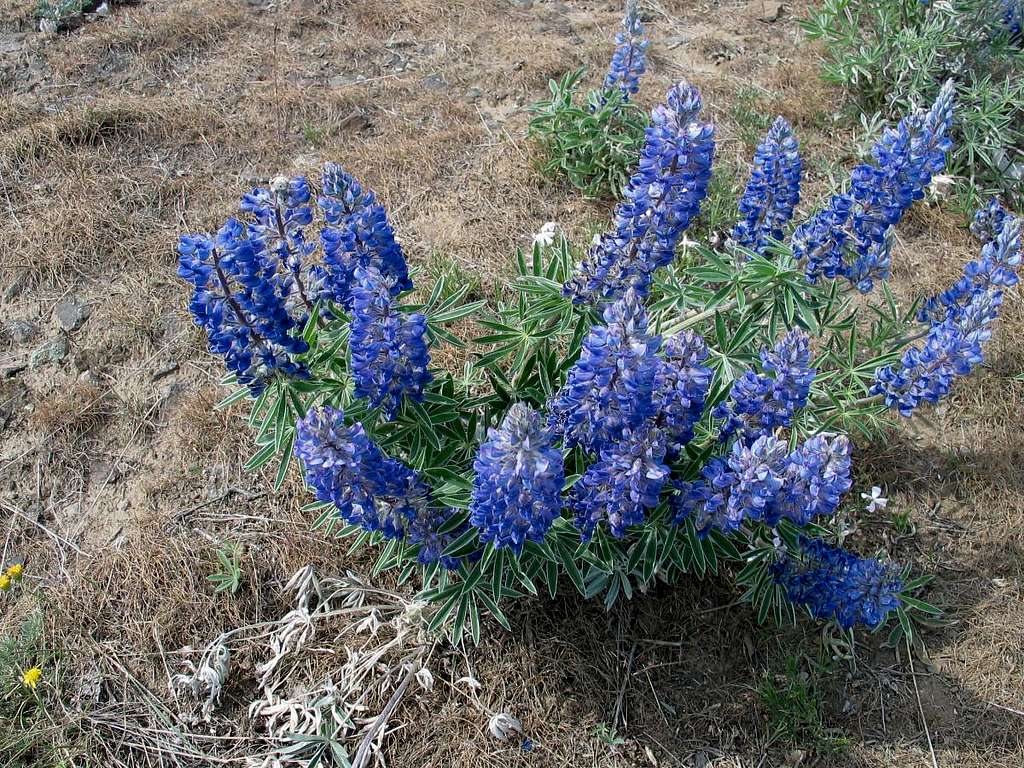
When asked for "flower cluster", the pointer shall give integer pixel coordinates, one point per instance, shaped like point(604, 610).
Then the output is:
point(358, 235)
point(835, 584)
point(519, 478)
point(661, 200)
point(256, 287)
point(622, 484)
point(629, 61)
point(241, 299)
point(388, 347)
point(859, 222)
point(773, 190)
point(960, 323)
point(370, 490)
point(12, 575)
point(632, 408)
point(611, 387)
point(762, 481)
point(760, 403)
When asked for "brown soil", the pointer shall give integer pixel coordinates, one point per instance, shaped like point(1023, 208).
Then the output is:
point(117, 480)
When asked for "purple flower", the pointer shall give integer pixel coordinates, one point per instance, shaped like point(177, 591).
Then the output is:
point(630, 59)
point(622, 485)
point(518, 484)
point(773, 190)
point(661, 200)
point(388, 347)
point(835, 584)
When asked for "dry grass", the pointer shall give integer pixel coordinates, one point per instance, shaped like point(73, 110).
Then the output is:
point(155, 120)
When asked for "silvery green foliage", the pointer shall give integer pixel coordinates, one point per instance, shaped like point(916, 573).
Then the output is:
point(893, 55)
point(683, 421)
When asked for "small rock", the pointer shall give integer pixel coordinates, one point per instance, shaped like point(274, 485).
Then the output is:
point(12, 291)
point(22, 331)
point(90, 378)
point(102, 10)
point(71, 313)
point(435, 82)
point(337, 81)
point(473, 95)
point(771, 12)
point(52, 351)
point(524, 4)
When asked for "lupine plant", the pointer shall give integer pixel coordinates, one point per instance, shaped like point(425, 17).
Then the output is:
point(595, 144)
point(634, 417)
point(892, 54)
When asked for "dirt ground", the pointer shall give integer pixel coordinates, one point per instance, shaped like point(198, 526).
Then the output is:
point(117, 480)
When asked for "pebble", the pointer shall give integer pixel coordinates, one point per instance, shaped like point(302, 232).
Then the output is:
point(22, 331)
point(435, 82)
point(71, 313)
point(52, 351)
point(17, 285)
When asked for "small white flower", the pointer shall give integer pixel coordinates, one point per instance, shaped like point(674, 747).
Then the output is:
point(546, 236)
point(941, 186)
point(875, 499)
point(503, 725)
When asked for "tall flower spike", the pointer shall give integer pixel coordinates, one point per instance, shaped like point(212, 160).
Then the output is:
point(612, 386)
point(835, 584)
point(629, 61)
point(817, 475)
point(997, 267)
point(760, 403)
point(388, 347)
point(661, 200)
point(773, 190)
point(683, 387)
point(241, 301)
point(961, 320)
point(358, 235)
point(622, 485)
point(518, 484)
point(345, 467)
point(851, 236)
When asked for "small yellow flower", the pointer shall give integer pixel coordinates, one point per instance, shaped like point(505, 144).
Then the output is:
point(5, 582)
point(15, 571)
point(31, 677)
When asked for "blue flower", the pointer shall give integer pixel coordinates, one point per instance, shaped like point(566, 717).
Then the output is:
point(388, 347)
point(370, 490)
point(629, 60)
point(612, 386)
point(760, 403)
point(817, 474)
point(997, 267)
point(850, 237)
point(952, 348)
point(773, 190)
point(661, 200)
point(762, 482)
point(960, 322)
point(518, 484)
point(241, 299)
point(835, 584)
point(345, 467)
point(682, 388)
point(622, 485)
point(358, 235)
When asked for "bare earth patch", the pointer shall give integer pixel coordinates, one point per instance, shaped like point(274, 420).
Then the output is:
point(118, 482)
